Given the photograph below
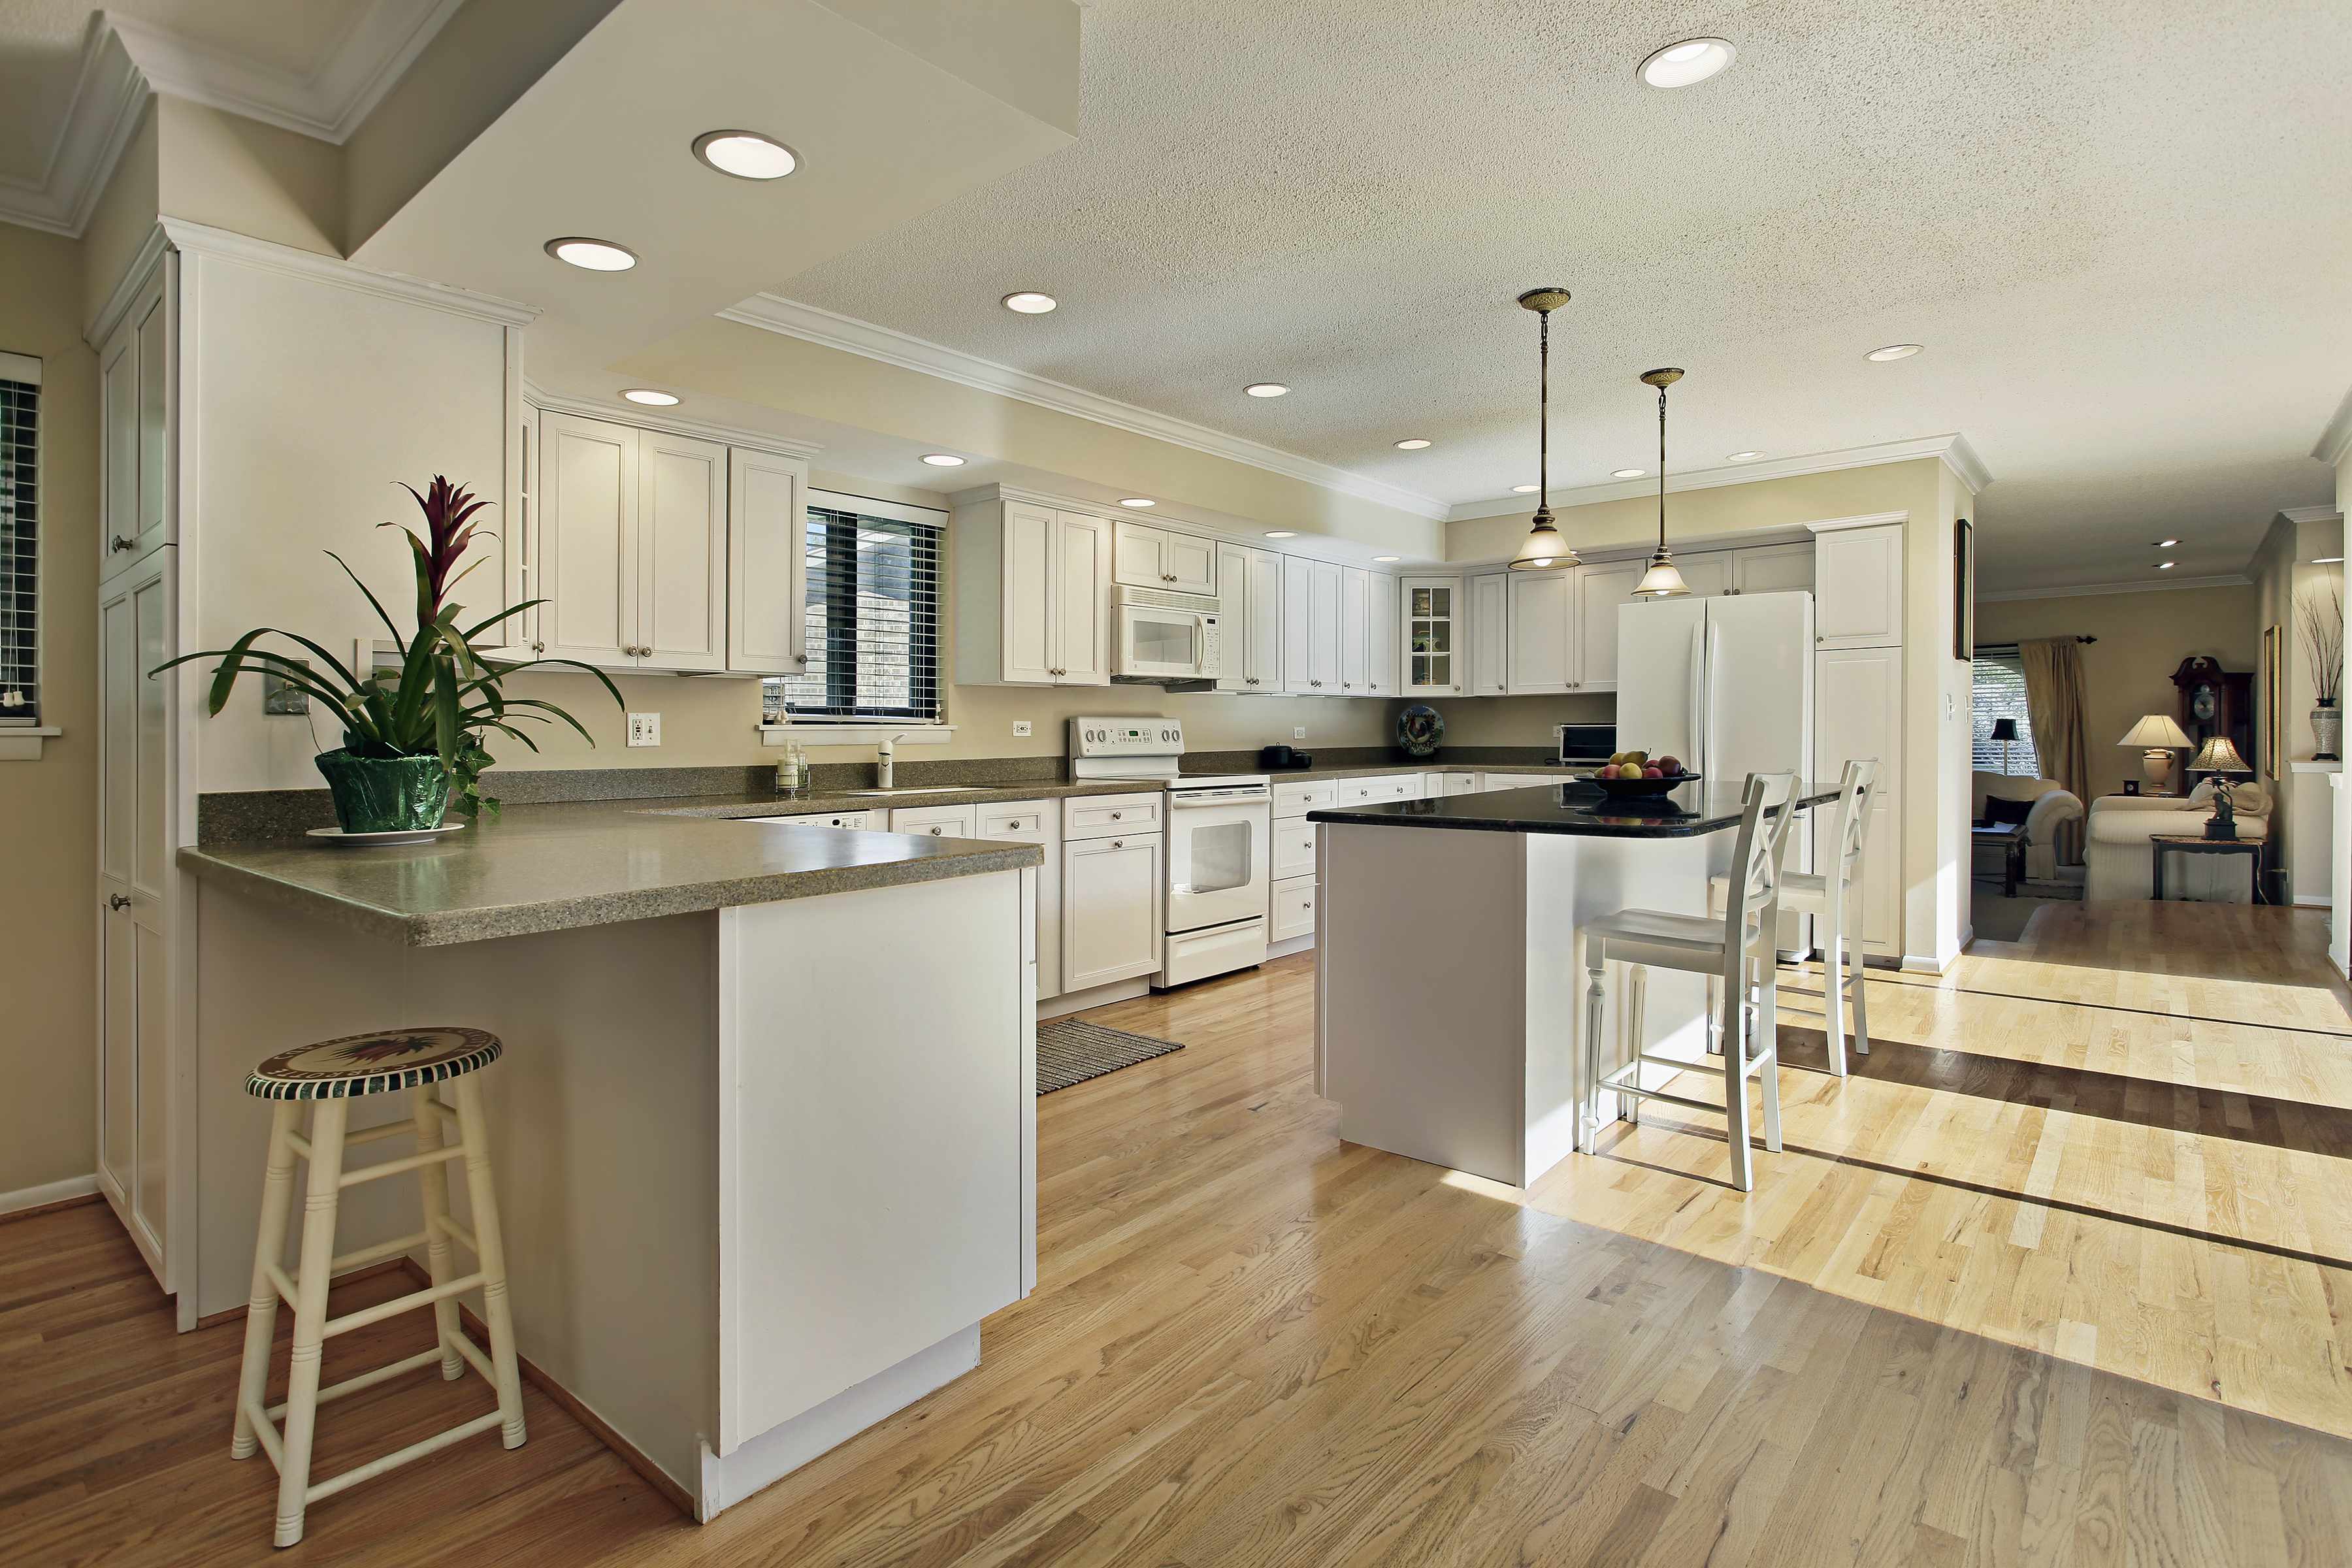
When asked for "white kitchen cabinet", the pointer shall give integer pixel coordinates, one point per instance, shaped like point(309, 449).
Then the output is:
point(1773, 568)
point(1858, 713)
point(1355, 631)
point(1291, 914)
point(767, 563)
point(1858, 586)
point(1433, 645)
point(1299, 796)
point(1377, 791)
point(854, 820)
point(1039, 823)
point(1601, 590)
point(1110, 908)
point(1707, 571)
point(1461, 783)
point(1385, 670)
point(1540, 657)
point(1251, 644)
point(134, 389)
point(1110, 816)
point(1487, 640)
point(1031, 595)
point(1146, 556)
point(1517, 780)
point(1294, 848)
point(937, 821)
point(1310, 626)
point(632, 535)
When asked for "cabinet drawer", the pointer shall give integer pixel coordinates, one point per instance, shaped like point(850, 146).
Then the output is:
point(1294, 848)
point(1299, 799)
point(1101, 816)
point(1367, 792)
point(1003, 821)
point(936, 821)
point(833, 819)
point(1294, 910)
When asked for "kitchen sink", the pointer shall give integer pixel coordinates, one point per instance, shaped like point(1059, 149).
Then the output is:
point(931, 789)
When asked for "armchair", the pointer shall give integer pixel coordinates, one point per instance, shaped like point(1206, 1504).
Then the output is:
point(2053, 804)
point(2121, 863)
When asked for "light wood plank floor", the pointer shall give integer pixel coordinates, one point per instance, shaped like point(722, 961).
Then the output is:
point(2049, 1282)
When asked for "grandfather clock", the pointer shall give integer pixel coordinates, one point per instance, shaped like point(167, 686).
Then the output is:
point(2215, 702)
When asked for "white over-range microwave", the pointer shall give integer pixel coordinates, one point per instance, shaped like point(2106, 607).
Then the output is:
point(1159, 638)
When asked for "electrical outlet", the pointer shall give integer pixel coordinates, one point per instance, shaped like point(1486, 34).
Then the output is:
point(1021, 726)
point(1299, 732)
point(645, 729)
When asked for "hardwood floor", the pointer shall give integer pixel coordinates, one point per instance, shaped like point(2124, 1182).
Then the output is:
point(2054, 1281)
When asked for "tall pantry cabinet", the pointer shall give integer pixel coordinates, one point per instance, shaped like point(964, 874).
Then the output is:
point(1858, 698)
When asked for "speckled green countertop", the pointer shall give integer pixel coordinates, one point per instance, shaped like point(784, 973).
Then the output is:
point(556, 867)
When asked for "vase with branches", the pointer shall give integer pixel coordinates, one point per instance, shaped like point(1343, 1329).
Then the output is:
point(413, 736)
point(2320, 621)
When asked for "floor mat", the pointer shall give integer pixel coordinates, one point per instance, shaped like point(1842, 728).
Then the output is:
point(1070, 1050)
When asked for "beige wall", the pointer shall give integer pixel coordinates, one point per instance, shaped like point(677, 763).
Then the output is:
point(2128, 672)
point(48, 925)
point(236, 174)
point(122, 219)
point(1705, 513)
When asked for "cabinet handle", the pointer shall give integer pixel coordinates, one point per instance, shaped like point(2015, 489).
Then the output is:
point(1119, 843)
point(539, 648)
point(117, 544)
point(1114, 816)
point(939, 832)
point(118, 902)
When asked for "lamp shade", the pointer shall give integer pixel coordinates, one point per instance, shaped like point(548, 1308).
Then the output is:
point(2004, 730)
point(2220, 757)
point(2156, 730)
point(1545, 550)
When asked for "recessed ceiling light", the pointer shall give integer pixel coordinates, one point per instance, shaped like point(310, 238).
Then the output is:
point(1742, 457)
point(595, 255)
point(1136, 501)
point(1691, 62)
point(649, 398)
point(2163, 543)
point(1523, 490)
point(1282, 533)
point(1388, 557)
point(2165, 565)
point(943, 459)
point(746, 154)
point(1414, 443)
point(1627, 473)
point(1267, 389)
point(1893, 351)
point(1029, 303)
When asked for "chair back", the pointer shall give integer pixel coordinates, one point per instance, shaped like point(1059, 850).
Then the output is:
point(1858, 795)
point(1756, 861)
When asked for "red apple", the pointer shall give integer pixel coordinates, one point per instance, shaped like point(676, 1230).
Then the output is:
point(1653, 772)
point(1670, 767)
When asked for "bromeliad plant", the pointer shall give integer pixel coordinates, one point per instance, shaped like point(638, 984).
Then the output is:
point(445, 696)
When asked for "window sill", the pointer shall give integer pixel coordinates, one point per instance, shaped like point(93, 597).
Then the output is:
point(910, 733)
point(23, 744)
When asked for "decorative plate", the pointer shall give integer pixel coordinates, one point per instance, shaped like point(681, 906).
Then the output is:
point(1419, 730)
point(342, 840)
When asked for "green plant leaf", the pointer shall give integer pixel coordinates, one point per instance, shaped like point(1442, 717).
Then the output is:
point(382, 614)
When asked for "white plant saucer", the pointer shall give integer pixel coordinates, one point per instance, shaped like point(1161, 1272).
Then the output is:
point(342, 840)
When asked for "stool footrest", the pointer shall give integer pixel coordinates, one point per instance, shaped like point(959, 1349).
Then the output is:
point(375, 1467)
point(1676, 1063)
point(381, 1250)
point(365, 1380)
point(458, 1234)
point(399, 1304)
point(405, 1163)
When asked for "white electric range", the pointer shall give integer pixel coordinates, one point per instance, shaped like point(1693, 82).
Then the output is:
point(1218, 850)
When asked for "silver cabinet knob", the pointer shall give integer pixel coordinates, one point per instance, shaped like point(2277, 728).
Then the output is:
point(116, 545)
point(1119, 843)
point(1114, 816)
point(118, 902)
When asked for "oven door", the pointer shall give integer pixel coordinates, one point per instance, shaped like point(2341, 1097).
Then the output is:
point(1218, 856)
point(1160, 643)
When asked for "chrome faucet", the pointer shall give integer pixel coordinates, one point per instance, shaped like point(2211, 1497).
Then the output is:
point(882, 760)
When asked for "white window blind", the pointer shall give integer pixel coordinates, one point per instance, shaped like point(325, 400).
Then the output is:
point(20, 406)
point(2000, 693)
point(872, 628)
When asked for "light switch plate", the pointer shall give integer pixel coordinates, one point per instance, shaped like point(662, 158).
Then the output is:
point(645, 729)
point(1298, 733)
point(1021, 727)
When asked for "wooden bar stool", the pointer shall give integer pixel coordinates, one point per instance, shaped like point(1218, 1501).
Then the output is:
point(333, 1074)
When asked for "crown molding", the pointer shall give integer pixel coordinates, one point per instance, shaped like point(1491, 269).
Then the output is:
point(202, 239)
point(1953, 450)
point(1868, 520)
point(1311, 546)
point(109, 96)
point(2086, 589)
point(2311, 514)
point(774, 314)
point(670, 424)
point(2336, 440)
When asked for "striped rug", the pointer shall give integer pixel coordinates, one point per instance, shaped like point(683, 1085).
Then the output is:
point(1070, 1050)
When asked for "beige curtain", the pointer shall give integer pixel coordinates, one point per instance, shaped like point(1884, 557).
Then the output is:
point(2054, 701)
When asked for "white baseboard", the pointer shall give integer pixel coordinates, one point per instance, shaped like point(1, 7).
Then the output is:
point(48, 1193)
point(1290, 945)
point(1070, 1002)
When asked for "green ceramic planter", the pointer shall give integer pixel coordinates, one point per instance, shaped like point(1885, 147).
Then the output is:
point(386, 794)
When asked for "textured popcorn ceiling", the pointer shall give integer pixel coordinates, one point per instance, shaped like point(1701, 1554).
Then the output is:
point(2120, 228)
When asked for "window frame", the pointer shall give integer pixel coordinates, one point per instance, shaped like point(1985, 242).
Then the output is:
point(779, 724)
point(2008, 658)
point(24, 370)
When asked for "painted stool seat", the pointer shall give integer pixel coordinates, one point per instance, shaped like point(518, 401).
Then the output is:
point(331, 1075)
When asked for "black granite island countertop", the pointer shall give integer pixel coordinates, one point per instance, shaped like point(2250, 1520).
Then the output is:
point(558, 867)
point(1684, 813)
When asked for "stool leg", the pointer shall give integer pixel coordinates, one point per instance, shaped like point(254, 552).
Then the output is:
point(1854, 964)
point(262, 1304)
point(1735, 1014)
point(1833, 975)
point(1768, 1053)
point(497, 1312)
point(435, 1182)
point(328, 1120)
point(1595, 1007)
point(1636, 1005)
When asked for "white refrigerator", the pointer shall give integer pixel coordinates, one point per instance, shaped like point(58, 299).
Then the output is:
point(1723, 683)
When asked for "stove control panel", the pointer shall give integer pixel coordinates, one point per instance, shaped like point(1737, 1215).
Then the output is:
point(1126, 737)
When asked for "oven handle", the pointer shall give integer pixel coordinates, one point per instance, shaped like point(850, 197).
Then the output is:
point(1183, 803)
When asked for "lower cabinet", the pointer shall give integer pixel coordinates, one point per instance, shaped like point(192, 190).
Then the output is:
point(1111, 881)
point(853, 819)
point(1039, 823)
point(1295, 840)
point(937, 821)
point(1293, 914)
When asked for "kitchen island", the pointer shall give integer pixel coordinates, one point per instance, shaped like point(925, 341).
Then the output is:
point(1448, 979)
point(764, 1127)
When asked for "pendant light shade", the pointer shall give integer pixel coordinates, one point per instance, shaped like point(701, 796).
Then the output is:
point(1545, 550)
point(1664, 580)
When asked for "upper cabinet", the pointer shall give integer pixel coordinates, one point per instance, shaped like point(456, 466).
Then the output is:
point(1251, 585)
point(1150, 557)
point(1540, 653)
point(632, 546)
point(1773, 568)
point(1432, 624)
point(1387, 674)
point(767, 563)
point(134, 368)
point(1031, 596)
point(1311, 593)
point(1487, 636)
point(1601, 590)
point(1858, 586)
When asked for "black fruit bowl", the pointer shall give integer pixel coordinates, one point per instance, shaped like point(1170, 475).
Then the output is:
point(1639, 789)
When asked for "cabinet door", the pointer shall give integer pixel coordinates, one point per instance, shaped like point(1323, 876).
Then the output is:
point(1239, 660)
point(119, 473)
point(1264, 611)
point(155, 315)
point(1858, 713)
point(1323, 630)
point(1190, 563)
point(1297, 624)
point(1858, 587)
point(767, 564)
point(937, 821)
point(1382, 670)
point(1292, 913)
point(1708, 572)
point(1541, 623)
point(681, 553)
point(1039, 823)
point(1433, 645)
point(1355, 631)
point(1111, 910)
point(1773, 568)
point(134, 388)
point(1136, 559)
point(1082, 550)
point(1295, 841)
point(587, 540)
point(1600, 593)
point(1490, 635)
point(1030, 594)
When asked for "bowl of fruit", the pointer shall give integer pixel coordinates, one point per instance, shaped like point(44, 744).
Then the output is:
point(1634, 775)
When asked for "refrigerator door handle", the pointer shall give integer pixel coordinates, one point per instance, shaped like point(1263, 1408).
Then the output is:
point(1714, 655)
point(1698, 687)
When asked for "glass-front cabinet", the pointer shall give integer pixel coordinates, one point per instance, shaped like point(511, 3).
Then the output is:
point(1432, 637)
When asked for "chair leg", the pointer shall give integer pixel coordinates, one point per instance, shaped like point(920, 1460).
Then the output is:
point(1834, 981)
point(497, 1312)
point(1588, 1121)
point(1637, 1002)
point(1766, 1063)
point(328, 1120)
point(1735, 1083)
point(1859, 994)
point(262, 1304)
point(434, 1182)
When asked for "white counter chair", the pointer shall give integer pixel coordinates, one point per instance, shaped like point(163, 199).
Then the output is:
point(1737, 947)
point(333, 1074)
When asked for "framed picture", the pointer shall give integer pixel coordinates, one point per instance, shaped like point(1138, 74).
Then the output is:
point(1964, 592)
point(2273, 740)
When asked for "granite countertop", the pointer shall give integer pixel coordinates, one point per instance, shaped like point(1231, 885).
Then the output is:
point(1684, 812)
point(1385, 770)
point(826, 802)
point(556, 867)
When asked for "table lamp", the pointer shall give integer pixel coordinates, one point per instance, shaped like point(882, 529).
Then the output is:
point(2158, 736)
point(2004, 730)
point(2220, 757)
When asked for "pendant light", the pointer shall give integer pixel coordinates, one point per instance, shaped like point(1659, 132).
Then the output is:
point(1545, 549)
point(1662, 579)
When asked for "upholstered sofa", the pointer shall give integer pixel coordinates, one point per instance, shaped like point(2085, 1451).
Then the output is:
point(2052, 806)
point(2122, 864)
